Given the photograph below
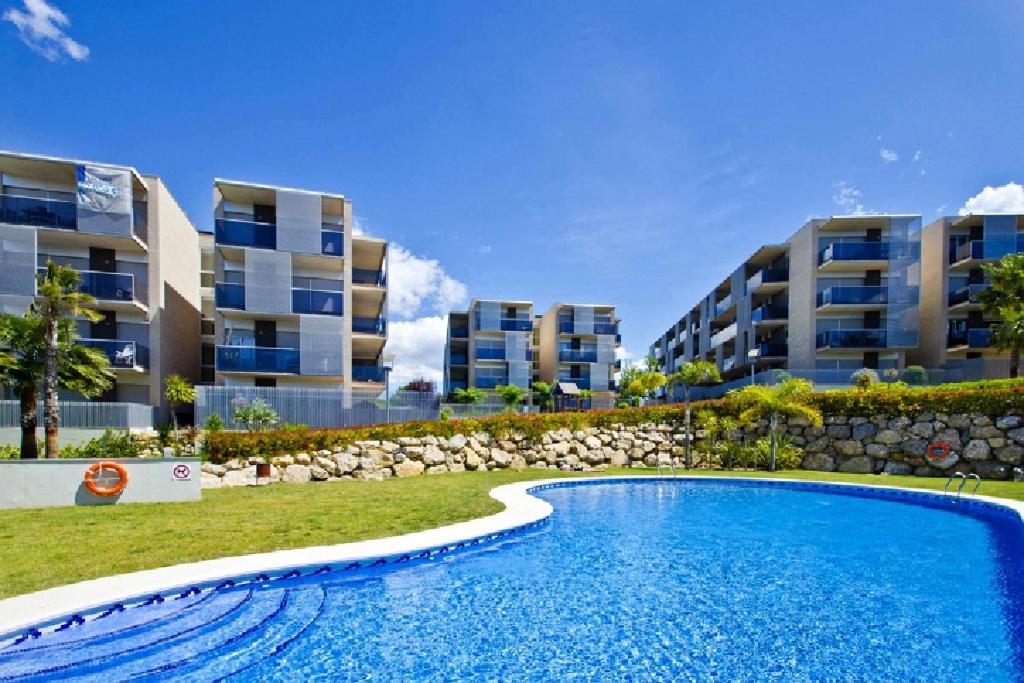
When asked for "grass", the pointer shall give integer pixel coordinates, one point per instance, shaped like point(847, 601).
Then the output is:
point(45, 548)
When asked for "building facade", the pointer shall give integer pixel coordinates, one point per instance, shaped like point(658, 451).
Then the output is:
point(841, 294)
point(291, 297)
point(137, 252)
point(504, 343)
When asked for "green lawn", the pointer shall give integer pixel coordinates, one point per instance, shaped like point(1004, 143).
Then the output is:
point(44, 548)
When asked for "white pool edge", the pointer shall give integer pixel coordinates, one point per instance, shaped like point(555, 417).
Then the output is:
point(49, 606)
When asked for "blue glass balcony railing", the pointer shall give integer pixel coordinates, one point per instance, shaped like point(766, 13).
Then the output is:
point(723, 305)
point(332, 243)
point(368, 373)
point(316, 301)
point(377, 326)
point(854, 251)
point(767, 276)
point(106, 286)
point(974, 338)
point(577, 355)
point(763, 313)
point(569, 327)
point(41, 213)
point(229, 295)
point(985, 249)
point(968, 294)
point(457, 384)
point(245, 233)
point(460, 332)
point(368, 276)
point(772, 350)
point(580, 382)
point(490, 382)
point(516, 325)
point(121, 353)
point(851, 339)
point(257, 359)
point(458, 359)
point(488, 353)
point(841, 296)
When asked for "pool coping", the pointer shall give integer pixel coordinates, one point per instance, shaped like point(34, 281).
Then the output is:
point(41, 609)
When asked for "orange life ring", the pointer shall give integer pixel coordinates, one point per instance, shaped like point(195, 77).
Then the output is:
point(100, 490)
point(938, 450)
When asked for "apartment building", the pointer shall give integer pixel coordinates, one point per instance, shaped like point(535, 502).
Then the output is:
point(292, 298)
point(841, 294)
point(490, 344)
point(954, 330)
point(137, 252)
point(504, 342)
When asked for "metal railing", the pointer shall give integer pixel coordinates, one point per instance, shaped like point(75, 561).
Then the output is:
point(577, 355)
point(86, 415)
point(368, 276)
point(767, 276)
point(378, 326)
point(768, 312)
point(120, 352)
point(368, 373)
point(228, 295)
point(39, 212)
point(332, 243)
point(968, 294)
point(974, 338)
point(257, 359)
point(244, 233)
point(851, 339)
point(316, 301)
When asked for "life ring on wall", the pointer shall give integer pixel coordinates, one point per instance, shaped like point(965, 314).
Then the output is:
point(938, 451)
point(98, 488)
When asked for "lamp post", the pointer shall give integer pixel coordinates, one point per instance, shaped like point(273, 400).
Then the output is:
point(389, 365)
point(753, 354)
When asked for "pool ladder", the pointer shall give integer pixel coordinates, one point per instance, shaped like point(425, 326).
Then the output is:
point(963, 482)
point(670, 466)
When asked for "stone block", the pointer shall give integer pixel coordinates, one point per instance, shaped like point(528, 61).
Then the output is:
point(860, 465)
point(409, 468)
point(977, 449)
point(296, 474)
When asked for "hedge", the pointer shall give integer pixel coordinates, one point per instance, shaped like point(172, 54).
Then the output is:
point(992, 398)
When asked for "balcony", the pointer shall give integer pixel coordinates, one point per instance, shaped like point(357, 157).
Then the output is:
point(377, 326)
point(490, 353)
point(490, 382)
point(975, 338)
point(229, 296)
point(516, 325)
point(767, 276)
point(38, 212)
point(863, 296)
point(121, 353)
point(257, 359)
point(768, 313)
point(569, 327)
point(368, 373)
point(966, 295)
point(332, 243)
point(722, 336)
point(245, 233)
point(577, 355)
point(106, 286)
point(456, 384)
point(459, 332)
point(316, 301)
point(580, 382)
point(979, 250)
point(851, 339)
point(772, 350)
point(458, 359)
point(606, 328)
point(723, 305)
point(368, 277)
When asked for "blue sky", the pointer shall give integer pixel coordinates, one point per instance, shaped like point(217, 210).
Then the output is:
point(628, 153)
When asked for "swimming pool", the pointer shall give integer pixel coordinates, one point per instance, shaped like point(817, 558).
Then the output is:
point(627, 580)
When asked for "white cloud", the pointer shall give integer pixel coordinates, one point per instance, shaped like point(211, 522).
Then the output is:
point(41, 27)
point(941, 210)
point(418, 346)
point(888, 155)
point(917, 155)
point(416, 283)
point(1008, 198)
point(486, 249)
point(848, 198)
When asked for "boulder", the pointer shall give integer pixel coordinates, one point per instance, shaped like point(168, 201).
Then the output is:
point(346, 463)
point(303, 459)
point(822, 462)
point(984, 432)
point(916, 447)
point(296, 474)
point(988, 469)
point(860, 465)
point(246, 477)
point(409, 468)
point(619, 459)
point(1011, 454)
point(432, 455)
point(211, 468)
point(330, 466)
point(209, 481)
point(1009, 422)
point(437, 469)
point(977, 449)
point(876, 450)
point(458, 442)
point(592, 442)
point(234, 464)
point(283, 460)
point(500, 458)
point(317, 473)
point(925, 430)
point(848, 448)
point(472, 460)
point(888, 436)
point(517, 462)
point(895, 467)
point(864, 430)
point(839, 431)
point(1017, 435)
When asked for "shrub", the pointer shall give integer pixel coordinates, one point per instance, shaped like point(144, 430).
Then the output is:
point(864, 378)
point(214, 423)
point(446, 413)
point(787, 455)
point(256, 416)
point(110, 445)
point(10, 452)
point(915, 375)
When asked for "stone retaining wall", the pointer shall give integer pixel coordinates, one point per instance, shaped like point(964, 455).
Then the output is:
point(991, 448)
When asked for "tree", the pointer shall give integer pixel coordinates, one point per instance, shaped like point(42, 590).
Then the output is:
point(636, 381)
point(471, 395)
point(511, 395)
point(690, 374)
point(1004, 298)
point(60, 300)
point(23, 364)
point(178, 391)
point(585, 397)
point(789, 399)
point(542, 390)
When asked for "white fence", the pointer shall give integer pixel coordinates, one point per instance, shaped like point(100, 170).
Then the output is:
point(91, 415)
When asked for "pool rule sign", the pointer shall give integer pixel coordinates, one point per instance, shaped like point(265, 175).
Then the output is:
point(181, 472)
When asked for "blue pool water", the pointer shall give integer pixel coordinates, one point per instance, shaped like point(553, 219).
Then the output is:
point(673, 580)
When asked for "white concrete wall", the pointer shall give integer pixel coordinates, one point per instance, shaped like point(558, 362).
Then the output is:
point(49, 483)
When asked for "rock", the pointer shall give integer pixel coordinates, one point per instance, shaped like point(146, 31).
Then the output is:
point(848, 448)
point(876, 450)
point(981, 420)
point(1011, 454)
point(437, 469)
point(916, 447)
point(517, 462)
point(864, 430)
point(817, 445)
point(619, 459)
point(899, 423)
point(409, 468)
point(1009, 422)
point(246, 477)
point(283, 460)
point(328, 465)
point(211, 468)
point(317, 473)
point(923, 429)
point(839, 432)
point(946, 462)
point(996, 442)
point(1017, 435)
point(984, 432)
point(209, 481)
point(458, 442)
point(859, 465)
point(473, 460)
point(459, 467)
point(234, 464)
point(432, 455)
point(500, 458)
point(822, 462)
point(389, 447)
point(592, 442)
point(296, 474)
point(894, 467)
point(888, 436)
point(303, 459)
point(977, 449)
point(346, 463)
point(988, 469)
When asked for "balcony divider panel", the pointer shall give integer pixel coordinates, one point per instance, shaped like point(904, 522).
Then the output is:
point(105, 201)
point(268, 281)
point(320, 348)
point(583, 319)
point(299, 218)
point(18, 261)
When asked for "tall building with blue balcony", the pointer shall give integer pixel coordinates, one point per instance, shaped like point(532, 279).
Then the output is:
point(291, 297)
point(842, 293)
point(136, 251)
point(489, 345)
point(955, 330)
point(577, 346)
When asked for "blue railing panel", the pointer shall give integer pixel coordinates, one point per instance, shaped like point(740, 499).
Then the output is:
point(245, 233)
point(867, 339)
point(229, 295)
point(369, 325)
point(332, 243)
point(41, 213)
point(121, 353)
point(257, 359)
point(316, 301)
point(368, 276)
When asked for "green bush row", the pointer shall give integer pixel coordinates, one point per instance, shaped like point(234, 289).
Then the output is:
point(990, 398)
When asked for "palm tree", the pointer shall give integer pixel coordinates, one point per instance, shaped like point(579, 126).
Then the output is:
point(542, 390)
point(789, 399)
point(23, 363)
point(60, 300)
point(689, 374)
point(1004, 298)
point(178, 392)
